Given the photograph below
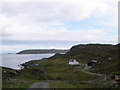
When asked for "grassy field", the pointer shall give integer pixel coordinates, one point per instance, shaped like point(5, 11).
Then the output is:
point(19, 78)
point(58, 69)
point(109, 68)
point(55, 69)
point(18, 83)
point(73, 84)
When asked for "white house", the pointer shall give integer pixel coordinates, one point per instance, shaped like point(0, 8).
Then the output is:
point(73, 62)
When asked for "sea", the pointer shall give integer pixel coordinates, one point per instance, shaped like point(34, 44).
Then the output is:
point(13, 60)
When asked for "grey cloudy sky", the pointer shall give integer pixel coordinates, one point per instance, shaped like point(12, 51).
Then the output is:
point(27, 24)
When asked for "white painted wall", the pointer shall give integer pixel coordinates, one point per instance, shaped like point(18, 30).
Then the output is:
point(74, 62)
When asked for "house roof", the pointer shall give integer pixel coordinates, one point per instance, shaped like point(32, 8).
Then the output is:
point(72, 60)
point(93, 61)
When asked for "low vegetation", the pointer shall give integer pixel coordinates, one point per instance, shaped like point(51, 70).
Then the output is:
point(60, 74)
point(19, 78)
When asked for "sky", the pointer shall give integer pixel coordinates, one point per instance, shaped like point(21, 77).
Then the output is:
point(57, 24)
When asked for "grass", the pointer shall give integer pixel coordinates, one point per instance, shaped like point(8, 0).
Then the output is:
point(23, 79)
point(16, 83)
point(59, 69)
point(109, 68)
point(74, 84)
point(62, 74)
point(60, 84)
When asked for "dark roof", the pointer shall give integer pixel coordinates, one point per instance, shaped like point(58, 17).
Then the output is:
point(93, 61)
point(71, 61)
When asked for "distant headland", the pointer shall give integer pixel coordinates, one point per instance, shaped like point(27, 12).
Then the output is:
point(42, 51)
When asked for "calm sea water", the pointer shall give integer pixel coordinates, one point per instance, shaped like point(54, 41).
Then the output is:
point(13, 60)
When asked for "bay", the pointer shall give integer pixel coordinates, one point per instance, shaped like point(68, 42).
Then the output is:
point(13, 60)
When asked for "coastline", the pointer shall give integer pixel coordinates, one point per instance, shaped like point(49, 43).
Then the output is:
point(13, 60)
point(57, 70)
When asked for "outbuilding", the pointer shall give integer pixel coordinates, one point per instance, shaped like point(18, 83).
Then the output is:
point(92, 62)
point(115, 77)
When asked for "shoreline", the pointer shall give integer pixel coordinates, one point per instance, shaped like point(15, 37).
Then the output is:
point(21, 58)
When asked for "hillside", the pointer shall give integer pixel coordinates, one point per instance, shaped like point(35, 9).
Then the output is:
point(57, 66)
point(60, 74)
point(93, 51)
point(99, 52)
point(83, 53)
point(42, 51)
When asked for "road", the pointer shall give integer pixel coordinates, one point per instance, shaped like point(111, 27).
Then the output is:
point(101, 76)
point(40, 85)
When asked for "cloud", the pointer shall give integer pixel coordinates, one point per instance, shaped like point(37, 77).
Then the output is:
point(59, 11)
point(38, 20)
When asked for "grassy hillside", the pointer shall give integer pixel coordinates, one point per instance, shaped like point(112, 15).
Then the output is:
point(58, 69)
point(99, 52)
point(19, 78)
point(60, 74)
point(92, 51)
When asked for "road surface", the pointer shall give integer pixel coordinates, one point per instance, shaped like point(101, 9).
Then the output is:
point(99, 79)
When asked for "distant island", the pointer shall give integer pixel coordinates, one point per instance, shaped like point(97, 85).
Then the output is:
point(42, 51)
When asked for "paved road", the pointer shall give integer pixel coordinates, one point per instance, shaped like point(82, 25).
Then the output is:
point(101, 76)
point(41, 85)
